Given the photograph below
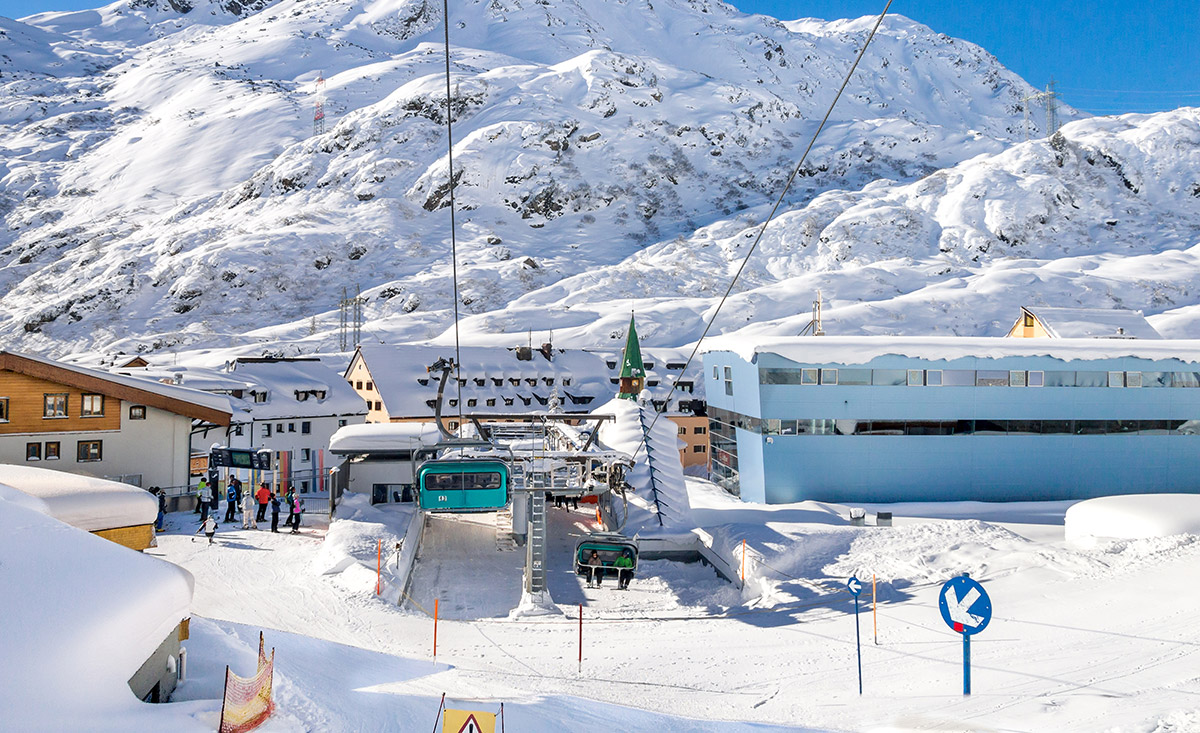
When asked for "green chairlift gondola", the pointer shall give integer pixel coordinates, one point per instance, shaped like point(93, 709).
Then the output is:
point(463, 485)
point(608, 547)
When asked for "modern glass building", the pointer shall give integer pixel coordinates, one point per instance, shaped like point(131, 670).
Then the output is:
point(885, 419)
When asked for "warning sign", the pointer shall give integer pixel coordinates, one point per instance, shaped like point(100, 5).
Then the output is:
point(468, 721)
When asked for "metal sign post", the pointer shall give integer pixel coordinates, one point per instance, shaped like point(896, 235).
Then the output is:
point(967, 609)
point(854, 585)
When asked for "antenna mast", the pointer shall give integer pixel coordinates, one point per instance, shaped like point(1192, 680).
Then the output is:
point(319, 106)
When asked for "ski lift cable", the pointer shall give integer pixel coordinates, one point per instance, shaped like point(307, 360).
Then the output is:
point(763, 228)
point(453, 241)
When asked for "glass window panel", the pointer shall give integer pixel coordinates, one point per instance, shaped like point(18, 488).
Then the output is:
point(929, 427)
point(991, 427)
point(1060, 379)
point(991, 378)
point(1116, 427)
point(1036, 379)
point(889, 377)
point(728, 372)
point(829, 376)
point(854, 376)
point(847, 427)
point(915, 378)
point(1116, 379)
point(1057, 427)
point(729, 388)
point(1156, 427)
point(933, 377)
point(964, 427)
point(716, 372)
point(779, 376)
point(958, 377)
point(1090, 427)
point(1016, 378)
point(787, 427)
point(808, 376)
point(1187, 427)
point(1156, 379)
point(1184, 379)
point(1091, 379)
point(771, 426)
point(1133, 379)
point(883, 427)
point(1024, 427)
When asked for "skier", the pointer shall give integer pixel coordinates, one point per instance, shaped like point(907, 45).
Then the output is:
point(274, 512)
point(209, 527)
point(624, 565)
point(160, 523)
point(206, 497)
point(291, 505)
point(298, 506)
point(264, 495)
point(231, 501)
point(248, 504)
point(595, 570)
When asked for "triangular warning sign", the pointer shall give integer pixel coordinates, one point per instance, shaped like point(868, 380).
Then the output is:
point(468, 721)
point(470, 725)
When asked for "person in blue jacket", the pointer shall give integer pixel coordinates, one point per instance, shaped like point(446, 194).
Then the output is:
point(232, 496)
point(275, 513)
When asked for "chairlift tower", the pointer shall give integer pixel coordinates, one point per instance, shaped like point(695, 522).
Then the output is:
point(350, 319)
point(319, 106)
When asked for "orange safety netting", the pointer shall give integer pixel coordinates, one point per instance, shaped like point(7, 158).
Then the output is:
point(247, 701)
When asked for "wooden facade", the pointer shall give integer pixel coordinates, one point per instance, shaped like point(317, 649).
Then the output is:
point(26, 398)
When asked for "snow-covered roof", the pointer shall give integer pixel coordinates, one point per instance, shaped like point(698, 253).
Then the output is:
point(862, 349)
point(78, 611)
point(407, 389)
point(384, 437)
point(85, 502)
point(295, 388)
point(180, 400)
point(1094, 323)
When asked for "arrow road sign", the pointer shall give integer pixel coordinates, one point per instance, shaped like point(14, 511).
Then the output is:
point(965, 605)
point(854, 585)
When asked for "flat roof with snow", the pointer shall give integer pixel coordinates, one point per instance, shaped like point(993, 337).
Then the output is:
point(85, 502)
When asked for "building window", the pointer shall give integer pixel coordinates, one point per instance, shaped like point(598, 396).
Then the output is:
point(1132, 379)
point(491, 401)
point(915, 378)
point(991, 378)
point(341, 423)
point(1016, 379)
point(266, 430)
point(716, 372)
point(260, 397)
point(305, 428)
point(53, 450)
point(471, 402)
point(88, 450)
point(379, 405)
point(93, 405)
point(303, 487)
point(933, 377)
point(358, 385)
point(138, 412)
point(1116, 379)
point(699, 448)
point(699, 430)
point(682, 430)
point(291, 427)
point(305, 454)
point(237, 430)
point(370, 386)
point(829, 376)
point(3, 409)
point(33, 451)
point(279, 427)
point(1028, 321)
point(54, 405)
point(808, 376)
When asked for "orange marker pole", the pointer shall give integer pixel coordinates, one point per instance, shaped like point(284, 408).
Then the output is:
point(435, 622)
point(378, 565)
point(874, 609)
point(581, 638)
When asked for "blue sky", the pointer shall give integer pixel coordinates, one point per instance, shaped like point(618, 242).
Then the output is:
point(1108, 56)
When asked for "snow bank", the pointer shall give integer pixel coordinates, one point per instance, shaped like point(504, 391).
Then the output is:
point(352, 543)
point(81, 615)
point(83, 501)
point(659, 502)
point(1134, 517)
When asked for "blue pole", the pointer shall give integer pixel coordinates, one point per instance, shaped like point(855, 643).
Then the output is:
point(966, 664)
point(858, 644)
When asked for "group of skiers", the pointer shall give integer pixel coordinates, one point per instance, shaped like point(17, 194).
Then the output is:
point(238, 498)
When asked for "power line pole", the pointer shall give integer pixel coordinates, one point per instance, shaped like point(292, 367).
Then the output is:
point(350, 318)
point(1050, 98)
point(319, 106)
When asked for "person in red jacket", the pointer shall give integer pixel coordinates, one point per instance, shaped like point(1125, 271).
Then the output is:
point(263, 495)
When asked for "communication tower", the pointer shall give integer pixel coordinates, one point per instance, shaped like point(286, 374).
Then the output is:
point(319, 106)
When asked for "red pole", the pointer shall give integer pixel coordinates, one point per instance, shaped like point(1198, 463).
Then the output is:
point(378, 565)
point(441, 707)
point(581, 637)
point(435, 622)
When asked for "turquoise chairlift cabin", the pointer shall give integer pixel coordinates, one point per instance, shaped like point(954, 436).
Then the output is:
point(608, 547)
point(463, 484)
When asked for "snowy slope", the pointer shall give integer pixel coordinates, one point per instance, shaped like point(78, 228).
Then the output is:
point(169, 191)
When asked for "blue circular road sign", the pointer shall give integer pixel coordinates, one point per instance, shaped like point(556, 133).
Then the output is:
point(854, 585)
point(965, 605)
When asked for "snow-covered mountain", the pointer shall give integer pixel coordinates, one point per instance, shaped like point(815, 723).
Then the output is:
point(162, 186)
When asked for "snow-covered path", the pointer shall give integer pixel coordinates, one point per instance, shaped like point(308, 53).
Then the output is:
point(1081, 639)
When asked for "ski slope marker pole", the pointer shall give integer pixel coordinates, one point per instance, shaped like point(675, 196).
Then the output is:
point(435, 623)
point(743, 563)
point(581, 638)
point(378, 565)
point(874, 609)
